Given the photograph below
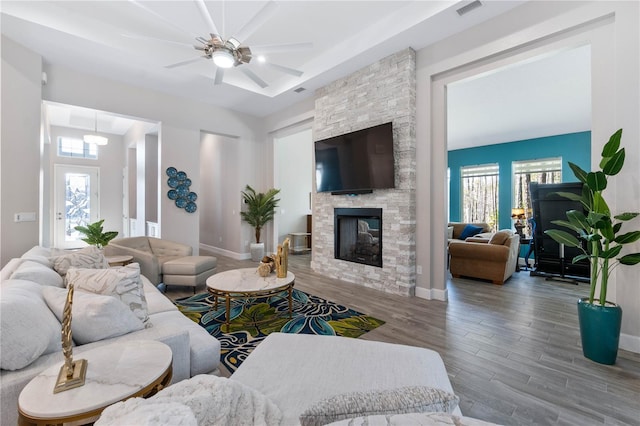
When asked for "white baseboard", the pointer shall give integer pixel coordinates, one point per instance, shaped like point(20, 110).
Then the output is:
point(228, 253)
point(431, 293)
point(629, 343)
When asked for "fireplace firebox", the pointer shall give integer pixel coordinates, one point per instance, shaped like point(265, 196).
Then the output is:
point(358, 235)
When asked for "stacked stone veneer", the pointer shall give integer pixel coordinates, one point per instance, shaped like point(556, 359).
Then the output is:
point(380, 93)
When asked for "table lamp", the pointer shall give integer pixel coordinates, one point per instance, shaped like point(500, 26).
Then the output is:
point(518, 214)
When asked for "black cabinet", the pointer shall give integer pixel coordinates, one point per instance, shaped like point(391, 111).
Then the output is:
point(547, 207)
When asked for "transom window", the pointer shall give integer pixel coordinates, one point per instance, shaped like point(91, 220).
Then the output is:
point(480, 194)
point(76, 148)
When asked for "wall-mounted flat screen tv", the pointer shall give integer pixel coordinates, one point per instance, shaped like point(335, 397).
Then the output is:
point(356, 162)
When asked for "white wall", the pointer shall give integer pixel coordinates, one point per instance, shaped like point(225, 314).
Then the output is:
point(19, 148)
point(110, 161)
point(152, 178)
point(294, 177)
point(219, 196)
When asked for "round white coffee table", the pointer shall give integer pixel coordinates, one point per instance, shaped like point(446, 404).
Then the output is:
point(243, 283)
point(115, 372)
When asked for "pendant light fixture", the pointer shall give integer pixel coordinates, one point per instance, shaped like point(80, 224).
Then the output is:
point(94, 137)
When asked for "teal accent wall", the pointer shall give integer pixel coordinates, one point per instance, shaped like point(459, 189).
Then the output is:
point(574, 147)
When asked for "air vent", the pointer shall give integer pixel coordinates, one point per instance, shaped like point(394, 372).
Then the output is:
point(300, 89)
point(468, 8)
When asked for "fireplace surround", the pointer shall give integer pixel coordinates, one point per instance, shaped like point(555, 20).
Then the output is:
point(358, 235)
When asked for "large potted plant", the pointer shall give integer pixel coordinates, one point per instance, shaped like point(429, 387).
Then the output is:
point(94, 234)
point(599, 319)
point(261, 208)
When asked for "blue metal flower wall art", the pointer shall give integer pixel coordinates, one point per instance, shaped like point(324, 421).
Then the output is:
point(179, 190)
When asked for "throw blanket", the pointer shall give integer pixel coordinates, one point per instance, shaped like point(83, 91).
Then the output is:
point(202, 400)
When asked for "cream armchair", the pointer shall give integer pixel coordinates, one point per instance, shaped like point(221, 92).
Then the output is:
point(494, 259)
point(151, 253)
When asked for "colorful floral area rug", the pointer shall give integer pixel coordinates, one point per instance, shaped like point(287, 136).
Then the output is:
point(253, 319)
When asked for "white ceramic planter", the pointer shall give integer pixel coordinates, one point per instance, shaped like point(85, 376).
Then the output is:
point(257, 251)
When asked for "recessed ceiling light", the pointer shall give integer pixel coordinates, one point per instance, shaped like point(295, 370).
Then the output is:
point(261, 59)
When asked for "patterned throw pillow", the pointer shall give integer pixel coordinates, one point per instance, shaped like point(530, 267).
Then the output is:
point(88, 257)
point(409, 399)
point(123, 282)
point(94, 316)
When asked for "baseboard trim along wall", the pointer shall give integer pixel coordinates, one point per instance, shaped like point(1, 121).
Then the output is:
point(228, 253)
point(431, 293)
point(630, 343)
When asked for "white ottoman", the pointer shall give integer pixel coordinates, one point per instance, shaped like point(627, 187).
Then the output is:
point(189, 271)
point(298, 370)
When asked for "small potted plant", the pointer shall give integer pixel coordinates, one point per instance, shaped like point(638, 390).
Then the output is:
point(94, 234)
point(261, 208)
point(599, 319)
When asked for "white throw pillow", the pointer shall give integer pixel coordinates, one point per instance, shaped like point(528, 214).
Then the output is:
point(450, 232)
point(38, 273)
point(27, 326)
point(408, 399)
point(94, 317)
point(88, 257)
point(122, 282)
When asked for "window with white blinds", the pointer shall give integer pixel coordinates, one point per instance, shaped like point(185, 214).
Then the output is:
point(480, 186)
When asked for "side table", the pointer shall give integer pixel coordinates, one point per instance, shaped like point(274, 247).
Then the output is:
point(528, 241)
point(299, 242)
point(119, 260)
point(115, 372)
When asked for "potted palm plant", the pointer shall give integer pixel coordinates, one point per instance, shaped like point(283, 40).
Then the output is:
point(261, 208)
point(599, 319)
point(94, 234)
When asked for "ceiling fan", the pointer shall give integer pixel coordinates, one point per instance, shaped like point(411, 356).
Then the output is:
point(230, 52)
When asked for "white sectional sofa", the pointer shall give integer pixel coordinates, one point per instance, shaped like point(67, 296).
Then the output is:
point(194, 350)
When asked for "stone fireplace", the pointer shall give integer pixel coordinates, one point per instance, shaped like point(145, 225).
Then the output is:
point(358, 235)
point(380, 93)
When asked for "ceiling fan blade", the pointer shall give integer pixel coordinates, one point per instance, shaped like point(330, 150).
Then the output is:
point(278, 48)
point(162, 18)
point(207, 16)
point(219, 76)
point(284, 69)
point(187, 62)
point(260, 82)
point(139, 37)
point(258, 19)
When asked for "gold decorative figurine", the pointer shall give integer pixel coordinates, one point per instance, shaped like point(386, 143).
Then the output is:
point(72, 373)
point(282, 259)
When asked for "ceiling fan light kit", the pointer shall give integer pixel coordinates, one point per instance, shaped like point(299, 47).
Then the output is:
point(225, 54)
point(223, 58)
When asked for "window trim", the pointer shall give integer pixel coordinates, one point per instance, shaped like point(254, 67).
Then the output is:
point(87, 149)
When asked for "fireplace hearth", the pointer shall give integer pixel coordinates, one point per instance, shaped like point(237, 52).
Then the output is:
point(358, 235)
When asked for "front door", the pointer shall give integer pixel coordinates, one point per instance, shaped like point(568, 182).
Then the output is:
point(76, 203)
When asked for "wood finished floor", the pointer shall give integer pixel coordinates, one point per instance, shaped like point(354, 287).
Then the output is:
point(512, 352)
